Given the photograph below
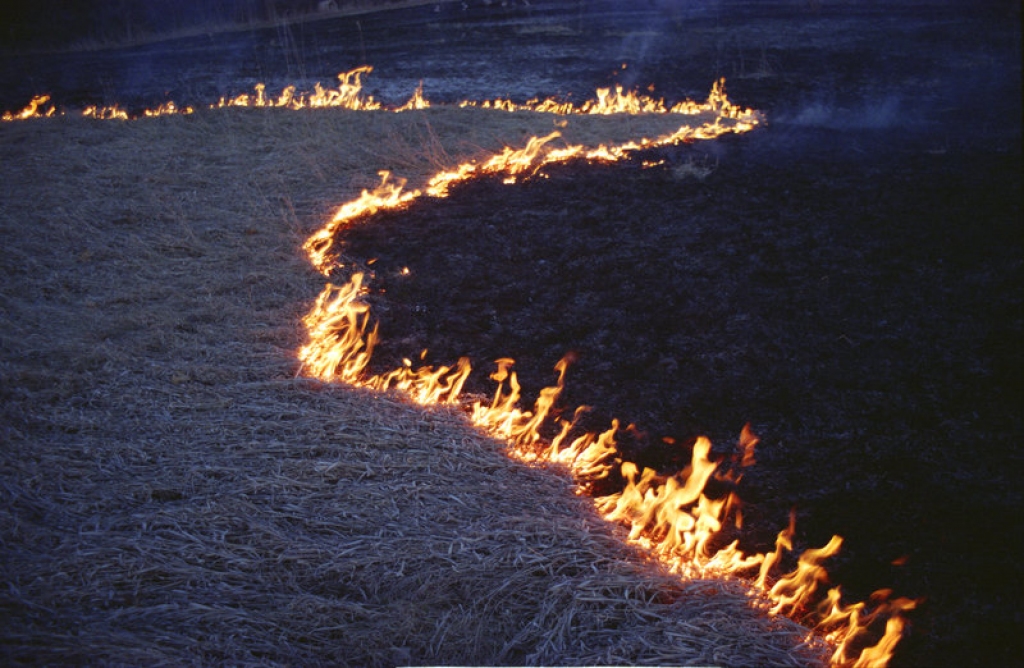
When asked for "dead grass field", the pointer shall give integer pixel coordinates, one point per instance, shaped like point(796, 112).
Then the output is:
point(172, 494)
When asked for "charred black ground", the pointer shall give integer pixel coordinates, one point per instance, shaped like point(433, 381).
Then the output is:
point(857, 302)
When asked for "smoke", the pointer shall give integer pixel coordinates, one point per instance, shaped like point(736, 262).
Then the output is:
point(888, 111)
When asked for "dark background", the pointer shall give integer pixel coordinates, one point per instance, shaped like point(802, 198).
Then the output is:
point(846, 278)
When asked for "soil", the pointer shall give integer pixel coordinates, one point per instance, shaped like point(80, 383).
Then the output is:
point(846, 279)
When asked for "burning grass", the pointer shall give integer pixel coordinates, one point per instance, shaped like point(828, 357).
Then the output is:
point(173, 494)
point(671, 517)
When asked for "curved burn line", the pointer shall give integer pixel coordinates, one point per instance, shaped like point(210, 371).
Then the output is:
point(669, 516)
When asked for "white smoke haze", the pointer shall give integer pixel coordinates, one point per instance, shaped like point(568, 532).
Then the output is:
point(873, 114)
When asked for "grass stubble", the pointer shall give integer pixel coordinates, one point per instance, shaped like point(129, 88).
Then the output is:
point(172, 492)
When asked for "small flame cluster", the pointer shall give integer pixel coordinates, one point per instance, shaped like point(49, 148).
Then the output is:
point(348, 95)
point(617, 101)
point(34, 109)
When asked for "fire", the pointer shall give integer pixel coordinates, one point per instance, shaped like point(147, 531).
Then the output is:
point(346, 96)
point(31, 111)
point(608, 101)
point(106, 113)
point(513, 164)
point(168, 109)
point(340, 345)
point(672, 517)
point(417, 101)
point(385, 196)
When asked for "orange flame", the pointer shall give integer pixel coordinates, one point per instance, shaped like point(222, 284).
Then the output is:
point(516, 163)
point(340, 345)
point(30, 111)
point(608, 101)
point(167, 109)
point(417, 101)
point(113, 113)
point(385, 196)
point(671, 516)
point(346, 96)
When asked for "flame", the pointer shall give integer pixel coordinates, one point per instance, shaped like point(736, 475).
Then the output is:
point(167, 109)
point(106, 113)
point(340, 344)
point(388, 195)
point(617, 101)
point(31, 110)
point(346, 96)
point(514, 164)
point(417, 101)
point(672, 517)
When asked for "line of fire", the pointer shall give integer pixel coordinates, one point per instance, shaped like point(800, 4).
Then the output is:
point(675, 519)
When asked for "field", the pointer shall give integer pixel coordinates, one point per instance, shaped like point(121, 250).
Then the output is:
point(174, 494)
point(845, 278)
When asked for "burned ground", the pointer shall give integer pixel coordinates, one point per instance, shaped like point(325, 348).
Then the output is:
point(859, 308)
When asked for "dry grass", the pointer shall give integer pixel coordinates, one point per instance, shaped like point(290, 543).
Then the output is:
point(173, 495)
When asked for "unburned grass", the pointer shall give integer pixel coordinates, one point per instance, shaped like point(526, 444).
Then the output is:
point(172, 494)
